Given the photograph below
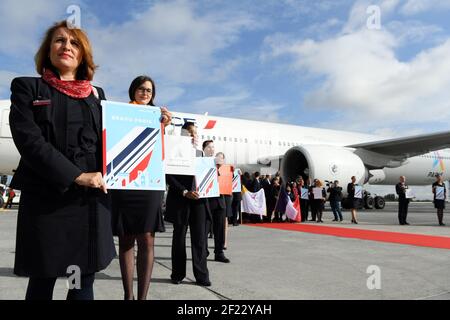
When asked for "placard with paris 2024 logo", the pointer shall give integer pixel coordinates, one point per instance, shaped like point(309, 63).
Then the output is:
point(133, 147)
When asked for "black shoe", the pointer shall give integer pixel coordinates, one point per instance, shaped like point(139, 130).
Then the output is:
point(340, 220)
point(441, 224)
point(174, 281)
point(406, 223)
point(224, 248)
point(203, 283)
point(334, 220)
point(235, 224)
point(222, 258)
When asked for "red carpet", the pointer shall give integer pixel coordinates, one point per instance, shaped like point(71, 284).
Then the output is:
point(382, 236)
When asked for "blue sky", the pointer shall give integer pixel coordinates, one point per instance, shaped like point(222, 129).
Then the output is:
point(313, 63)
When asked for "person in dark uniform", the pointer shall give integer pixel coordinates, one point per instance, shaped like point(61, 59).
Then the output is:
point(267, 186)
point(439, 204)
point(217, 207)
point(400, 189)
point(354, 203)
point(318, 205)
point(335, 200)
point(303, 202)
point(56, 125)
point(186, 210)
point(236, 205)
point(137, 213)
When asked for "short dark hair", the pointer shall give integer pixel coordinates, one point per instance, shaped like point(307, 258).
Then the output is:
point(205, 143)
point(136, 83)
point(187, 125)
point(257, 174)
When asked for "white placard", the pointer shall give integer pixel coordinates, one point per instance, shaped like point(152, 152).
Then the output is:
point(179, 155)
point(305, 194)
point(409, 193)
point(358, 192)
point(440, 193)
point(317, 192)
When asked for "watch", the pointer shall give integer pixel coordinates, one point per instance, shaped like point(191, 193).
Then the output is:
point(184, 193)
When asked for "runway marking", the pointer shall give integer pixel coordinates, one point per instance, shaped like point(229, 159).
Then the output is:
point(373, 235)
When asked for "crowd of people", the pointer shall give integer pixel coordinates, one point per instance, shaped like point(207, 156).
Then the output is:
point(333, 192)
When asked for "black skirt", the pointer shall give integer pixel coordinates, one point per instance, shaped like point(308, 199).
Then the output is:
point(136, 212)
point(439, 204)
point(355, 203)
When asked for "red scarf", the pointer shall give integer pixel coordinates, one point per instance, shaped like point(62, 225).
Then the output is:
point(76, 89)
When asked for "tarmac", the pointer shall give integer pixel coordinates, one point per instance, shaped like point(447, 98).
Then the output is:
point(273, 264)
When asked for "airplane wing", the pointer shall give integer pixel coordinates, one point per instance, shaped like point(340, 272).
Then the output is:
point(399, 149)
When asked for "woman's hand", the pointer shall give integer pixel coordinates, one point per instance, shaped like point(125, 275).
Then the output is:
point(193, 195)
point(166, 116)
point(92, 180)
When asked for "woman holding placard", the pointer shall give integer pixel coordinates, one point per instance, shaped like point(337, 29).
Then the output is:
point(137, 214)
point(319, 196)
point(353, 198)
point(55, 123)
point(440, 194)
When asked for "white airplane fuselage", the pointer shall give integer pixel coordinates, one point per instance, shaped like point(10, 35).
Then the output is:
point(259, 146)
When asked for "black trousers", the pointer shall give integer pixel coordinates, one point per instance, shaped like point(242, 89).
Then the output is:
point(304, 207)
point(218, 216)
point(197, 226)
point(42, 289)
point(236, 209)
point(402, 210)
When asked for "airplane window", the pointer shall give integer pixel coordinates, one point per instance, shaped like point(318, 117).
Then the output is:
point(224, 138)
point(214, 137)
point(279, 143)
point(245, 140)
point(220, 138)
point(235, 140)
point(203, 137)
point(240, 140)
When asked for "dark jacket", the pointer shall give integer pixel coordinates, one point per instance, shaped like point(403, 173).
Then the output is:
point(256, 185)
point(178, 208)
point(400, 189)
point(335, 193)
point(59, 223)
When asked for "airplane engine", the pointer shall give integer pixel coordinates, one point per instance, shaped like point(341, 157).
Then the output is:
point(327, 163)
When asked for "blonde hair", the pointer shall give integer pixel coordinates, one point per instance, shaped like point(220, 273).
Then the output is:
point(87, 67)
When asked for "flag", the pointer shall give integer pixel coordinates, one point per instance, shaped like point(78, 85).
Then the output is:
point(286, 206)
point(253, 202)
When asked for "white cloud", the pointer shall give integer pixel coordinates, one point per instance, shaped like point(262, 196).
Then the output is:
point(365, 84)
point(412, 7)
point(240, 103)
point(22, 24)
point(171, 42)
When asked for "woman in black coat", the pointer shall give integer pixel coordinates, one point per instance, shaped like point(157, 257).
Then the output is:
point(439, 204)
point(56, 126)
point(137, 214)
point(353, 202)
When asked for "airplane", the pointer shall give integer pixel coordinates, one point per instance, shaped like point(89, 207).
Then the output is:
point(293, 150)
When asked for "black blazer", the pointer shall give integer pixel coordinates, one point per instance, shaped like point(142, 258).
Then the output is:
point(40, 135)
point(178, 208)
point(401, 191)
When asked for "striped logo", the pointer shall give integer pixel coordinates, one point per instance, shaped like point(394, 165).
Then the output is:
point(207, 181)
point(130, 156)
